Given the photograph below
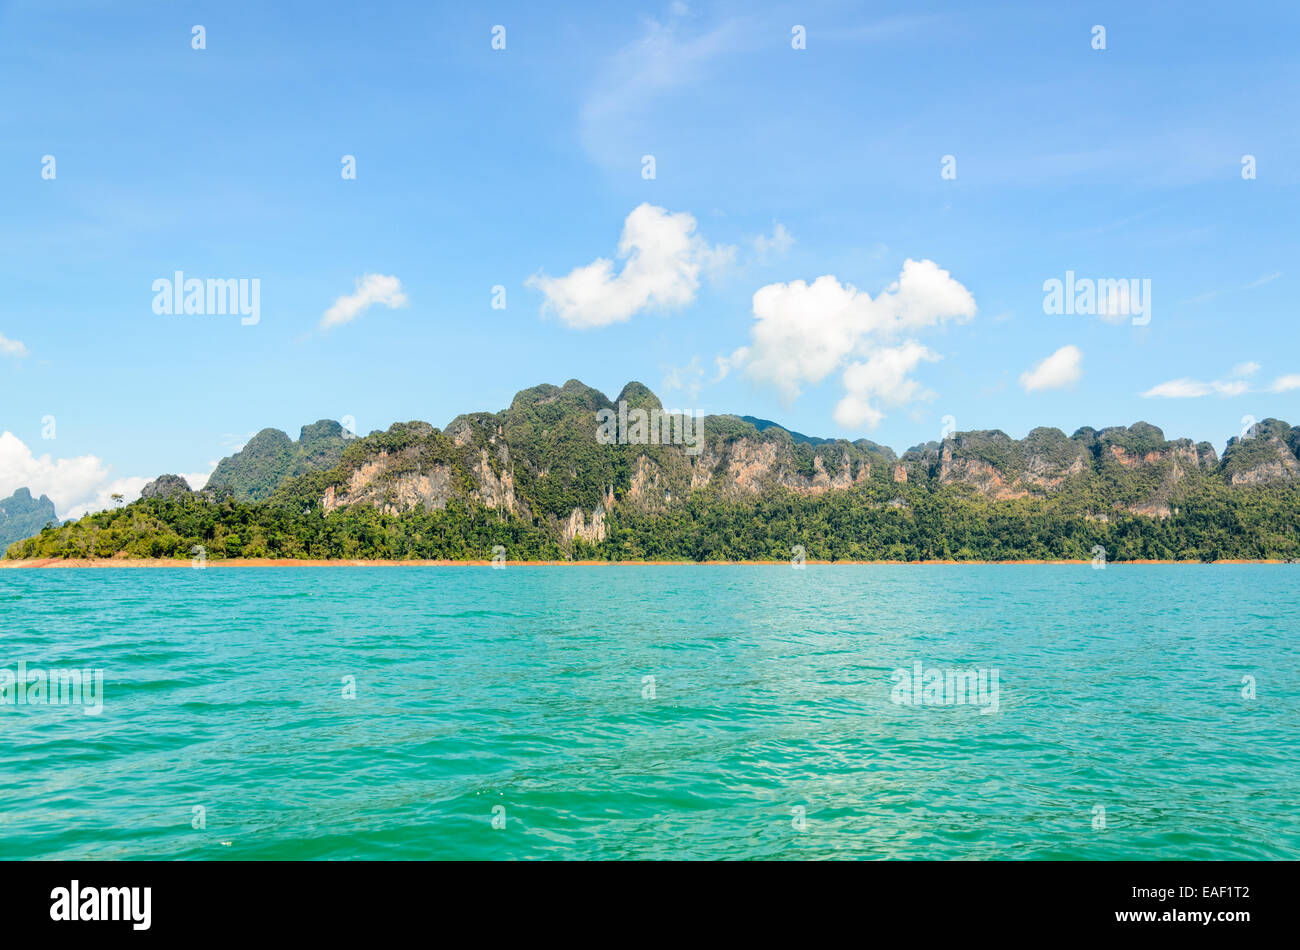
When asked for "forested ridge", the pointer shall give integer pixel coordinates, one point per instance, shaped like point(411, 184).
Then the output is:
point(536, 481)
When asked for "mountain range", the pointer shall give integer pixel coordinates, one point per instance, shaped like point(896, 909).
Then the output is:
point(538, 476)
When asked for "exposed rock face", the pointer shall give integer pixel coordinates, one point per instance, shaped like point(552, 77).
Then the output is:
point(1000, 468)
point(1281, 468)
point(1044, 474)
point(649, 490)
point(165, 486)
point(577, 526)
point(1266, 454)
point(968, 459)
point(496, 489)
point(753, 463)
point(750, 465)
point(540, 459)
point(389, 485)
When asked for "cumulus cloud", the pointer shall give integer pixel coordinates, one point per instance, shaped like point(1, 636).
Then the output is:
point(882, 378)
point(663, 259)
point(197, 480)
point(1234, 385)
point(1062, 368)
point(10, 347)
point(371, 289)
point(102, 497)
point(75, 485)
point(805, 332)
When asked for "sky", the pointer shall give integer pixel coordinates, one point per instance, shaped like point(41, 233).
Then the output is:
point(845, 217)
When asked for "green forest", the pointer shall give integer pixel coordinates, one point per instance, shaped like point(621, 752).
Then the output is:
point(873, 522)
point(529, 477)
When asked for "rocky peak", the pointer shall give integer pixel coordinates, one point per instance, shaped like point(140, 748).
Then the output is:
point(1266, 453)
point(165, 487)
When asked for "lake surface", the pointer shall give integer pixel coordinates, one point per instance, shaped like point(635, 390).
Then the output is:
point(521, 697)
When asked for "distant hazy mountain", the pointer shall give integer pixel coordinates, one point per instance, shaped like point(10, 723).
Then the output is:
point(762, 424)
point(22, 516)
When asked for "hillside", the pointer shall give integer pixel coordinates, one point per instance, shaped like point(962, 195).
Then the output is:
point(540, 479)
point(271, 457)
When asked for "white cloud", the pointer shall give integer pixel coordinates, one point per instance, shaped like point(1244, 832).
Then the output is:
point(663, 260)
point(10, 347)
point(128, 488)
point(1234, 385)
point(371, 289)
point(1266, 279)
point(1285, 383)
point(1062, 368)
point(75, 485)
point(1183, 388)
point(882, 378)
point(775, 246)
point(197, 480)
point(804, 332)
point(668, 56)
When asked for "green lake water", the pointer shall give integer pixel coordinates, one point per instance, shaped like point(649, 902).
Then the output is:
point(511, 714)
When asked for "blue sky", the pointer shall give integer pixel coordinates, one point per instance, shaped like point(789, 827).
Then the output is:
point(522, 167)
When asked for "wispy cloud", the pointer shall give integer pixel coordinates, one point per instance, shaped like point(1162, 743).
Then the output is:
point(371, 289)
point(688, 379)
point(1266, 279)
point(777, 245)
point(1235, 384)
point(1182, 388)
point(10, 347)
point(668, 54)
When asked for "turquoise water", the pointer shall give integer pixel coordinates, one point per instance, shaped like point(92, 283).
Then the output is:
point(524, 688)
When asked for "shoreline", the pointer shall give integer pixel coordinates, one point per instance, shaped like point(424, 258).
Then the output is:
point(177, 563)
